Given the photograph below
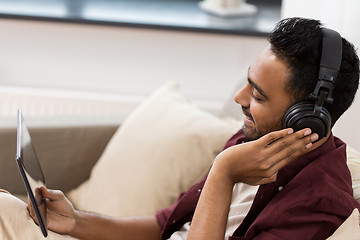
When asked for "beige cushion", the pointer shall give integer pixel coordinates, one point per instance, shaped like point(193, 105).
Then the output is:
point(349, 230)
point(163, 148)
point(353, 161)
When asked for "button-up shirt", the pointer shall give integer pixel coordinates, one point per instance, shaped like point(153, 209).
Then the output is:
point(310, 199)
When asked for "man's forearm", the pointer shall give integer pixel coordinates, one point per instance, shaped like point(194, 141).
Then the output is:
point(212, 210)
point(94, 226)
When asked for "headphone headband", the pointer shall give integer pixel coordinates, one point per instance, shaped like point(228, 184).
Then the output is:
point(331, 57)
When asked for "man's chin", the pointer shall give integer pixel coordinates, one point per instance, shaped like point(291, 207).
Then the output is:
point(250, 133)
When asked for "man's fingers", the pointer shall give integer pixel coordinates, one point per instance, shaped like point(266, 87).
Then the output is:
point(296, 147)
point(284, 147)
point(289, 140)
point(272, 137)
point(31, 211)
point(53, 195)
point(291, 152)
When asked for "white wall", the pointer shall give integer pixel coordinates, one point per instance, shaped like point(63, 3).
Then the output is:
point(122, 60)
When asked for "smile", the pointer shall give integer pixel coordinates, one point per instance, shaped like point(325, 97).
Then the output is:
point(247, 118)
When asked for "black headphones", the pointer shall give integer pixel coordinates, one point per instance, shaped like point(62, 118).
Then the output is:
point(314, 116)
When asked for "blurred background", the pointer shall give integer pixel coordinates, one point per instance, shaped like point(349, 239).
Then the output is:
point(86, 62)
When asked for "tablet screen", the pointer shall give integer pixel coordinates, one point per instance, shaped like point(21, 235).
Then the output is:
point(31, 172)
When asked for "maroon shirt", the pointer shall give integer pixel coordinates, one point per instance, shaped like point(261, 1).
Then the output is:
point(310, 199)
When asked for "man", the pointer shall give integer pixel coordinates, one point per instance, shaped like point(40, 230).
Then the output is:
point(305, 186)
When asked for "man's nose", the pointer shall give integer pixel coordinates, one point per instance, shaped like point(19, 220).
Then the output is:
point(243, 96)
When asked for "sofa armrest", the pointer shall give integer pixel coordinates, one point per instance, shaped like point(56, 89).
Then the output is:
point(66, 154)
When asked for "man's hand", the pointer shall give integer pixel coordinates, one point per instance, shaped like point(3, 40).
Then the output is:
point(60, 211)
point(63, 219)
point(258, 162)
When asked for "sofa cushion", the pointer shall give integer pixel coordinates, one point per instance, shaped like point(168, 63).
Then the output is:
point(349, 230)
point(353, 161)
point(164, 147)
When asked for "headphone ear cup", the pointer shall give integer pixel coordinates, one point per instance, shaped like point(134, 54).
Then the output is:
point(301, 115)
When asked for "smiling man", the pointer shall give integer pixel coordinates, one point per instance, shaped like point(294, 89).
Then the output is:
point(263, 102)
point(305, 186)
point(270, 182)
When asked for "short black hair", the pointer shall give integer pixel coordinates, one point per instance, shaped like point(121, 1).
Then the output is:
point(298, 42)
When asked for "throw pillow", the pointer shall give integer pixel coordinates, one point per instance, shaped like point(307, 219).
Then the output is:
point(164, 147)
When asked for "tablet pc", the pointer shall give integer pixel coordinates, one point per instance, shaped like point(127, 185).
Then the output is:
point(31, 172)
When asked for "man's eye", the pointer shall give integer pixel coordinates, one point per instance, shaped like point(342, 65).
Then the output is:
point(256, 98)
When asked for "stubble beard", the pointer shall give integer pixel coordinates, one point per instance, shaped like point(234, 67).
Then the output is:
point(254, 133)
point(251, 134)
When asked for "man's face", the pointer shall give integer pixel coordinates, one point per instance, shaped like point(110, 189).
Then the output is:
point(264, 99)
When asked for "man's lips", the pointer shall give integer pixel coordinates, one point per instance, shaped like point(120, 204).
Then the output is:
point(247, 115)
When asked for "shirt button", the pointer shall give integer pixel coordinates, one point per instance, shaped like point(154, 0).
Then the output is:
point(199, 190)
point(280, 188)
point(262, 196)
point(174, 221)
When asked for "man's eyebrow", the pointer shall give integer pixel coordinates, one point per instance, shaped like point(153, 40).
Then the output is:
point(258, 88)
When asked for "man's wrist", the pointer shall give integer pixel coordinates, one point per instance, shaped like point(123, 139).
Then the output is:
point(221, 172)
point(78, 222)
